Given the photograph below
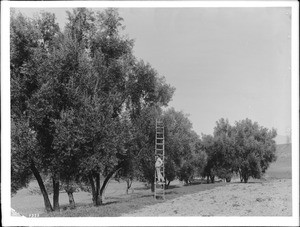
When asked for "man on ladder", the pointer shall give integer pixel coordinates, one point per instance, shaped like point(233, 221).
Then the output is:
point(158, 165)
point(159, 178)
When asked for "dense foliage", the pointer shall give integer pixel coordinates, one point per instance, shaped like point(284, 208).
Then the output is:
point(76, 96)
point(245, 148)
point(185, 159)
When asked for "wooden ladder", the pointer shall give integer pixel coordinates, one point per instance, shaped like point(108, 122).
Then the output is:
point(159, 187)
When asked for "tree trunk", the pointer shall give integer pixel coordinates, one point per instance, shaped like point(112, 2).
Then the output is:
point(228, 179)
point(105, 182)
point(70, 189)
point(37, 175)
point(152, 186)
point(241, 176)
point(207, 180)
point(107, 179)
point(97, 192)
point(93, 190)
point(245, 178)
point(71, 199)
point(212, 178)
point(55, 193)
point(168, 184)
point(128, 184)
point(95, 184)
point(98, 199)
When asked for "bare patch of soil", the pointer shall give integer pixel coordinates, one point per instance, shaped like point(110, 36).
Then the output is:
point(268, 198)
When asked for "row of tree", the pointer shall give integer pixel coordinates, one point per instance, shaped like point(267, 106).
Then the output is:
point(78, 101)
point(83, 111)
point(84, 108)
point(246, 149)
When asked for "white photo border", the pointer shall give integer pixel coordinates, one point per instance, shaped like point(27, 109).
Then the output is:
point(8, 220)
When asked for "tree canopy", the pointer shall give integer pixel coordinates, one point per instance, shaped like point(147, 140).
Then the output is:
point(245, 148)
point(77, 93)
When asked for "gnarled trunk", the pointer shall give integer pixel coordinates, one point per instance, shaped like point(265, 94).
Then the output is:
point(70, 189)
point(55, 193)
point(245, 178)
point(128, 184)
point(38, 177)
point(107, 179)
point(212, 178)
point(71, 199)
point(95, 185)
point(228, 179)
point(152, 186)
point(97, 192)
point(168, 184)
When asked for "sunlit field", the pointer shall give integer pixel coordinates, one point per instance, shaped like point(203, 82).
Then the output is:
point(118, 203)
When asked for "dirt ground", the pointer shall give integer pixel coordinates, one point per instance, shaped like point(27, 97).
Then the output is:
point(268, 198)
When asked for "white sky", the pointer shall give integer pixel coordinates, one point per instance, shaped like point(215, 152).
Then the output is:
point(224, 62)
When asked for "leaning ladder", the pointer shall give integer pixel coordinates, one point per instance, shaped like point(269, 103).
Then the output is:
point(159, 188)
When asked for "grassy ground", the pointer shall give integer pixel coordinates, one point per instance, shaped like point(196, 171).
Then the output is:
point(116, 206)
point(117, 202)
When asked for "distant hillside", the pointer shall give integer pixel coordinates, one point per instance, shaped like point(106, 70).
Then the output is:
point(284, 150)
point(280, 139)
point(282, 168)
